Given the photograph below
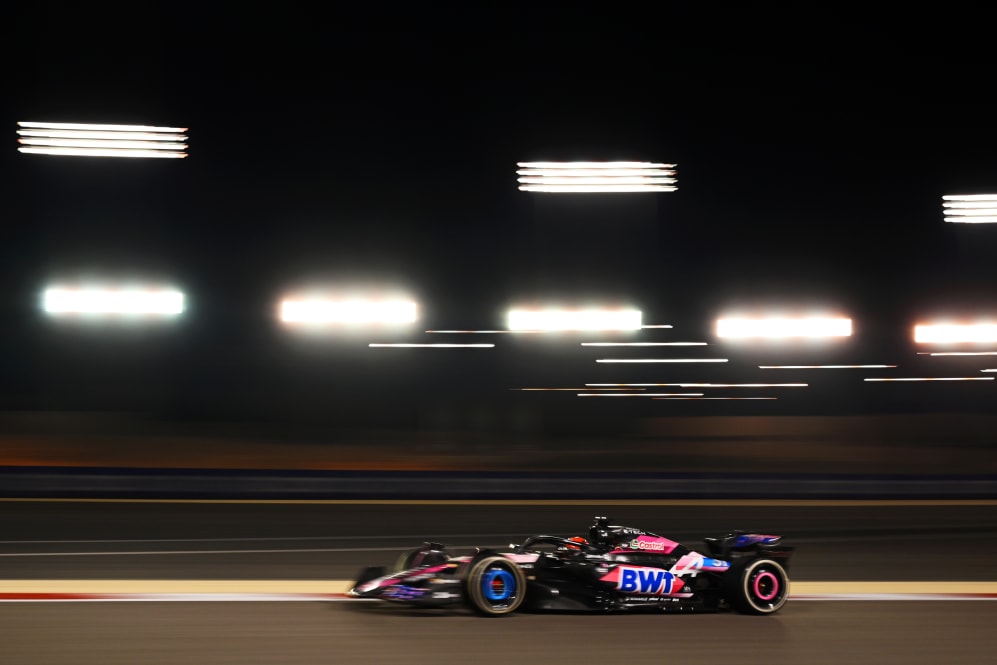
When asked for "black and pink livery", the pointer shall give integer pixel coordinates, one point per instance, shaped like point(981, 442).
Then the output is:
point(616, 568)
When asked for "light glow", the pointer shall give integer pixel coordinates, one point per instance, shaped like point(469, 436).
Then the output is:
point(957, 353)
point(567, 320)
point(782, 327)
point(955, 333)
point(61, 301)
point(594, 177)
point(95, 140)
point(970, 209)
point(352, 311)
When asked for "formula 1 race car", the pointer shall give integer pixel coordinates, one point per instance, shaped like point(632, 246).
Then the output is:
point(616, 568)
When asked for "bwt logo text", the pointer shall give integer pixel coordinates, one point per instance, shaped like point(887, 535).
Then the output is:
point(645, 580)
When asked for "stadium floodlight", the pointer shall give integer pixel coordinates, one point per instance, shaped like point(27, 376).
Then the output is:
point(595, 177)
point(782, 327)
point(93, 140)
point(567, 320)
point(348, 311)
point(952, 333)
point(70, 301)
point(970, 208)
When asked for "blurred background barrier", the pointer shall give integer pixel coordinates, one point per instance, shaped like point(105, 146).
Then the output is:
point(98, 483)
point(109, 455)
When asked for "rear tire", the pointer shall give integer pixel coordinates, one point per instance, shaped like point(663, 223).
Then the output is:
point(494, 586)
point(760, 587)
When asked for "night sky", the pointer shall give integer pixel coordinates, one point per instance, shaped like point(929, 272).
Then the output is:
point(379, 145)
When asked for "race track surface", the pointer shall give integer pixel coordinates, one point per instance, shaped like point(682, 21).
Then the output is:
point(902, 566)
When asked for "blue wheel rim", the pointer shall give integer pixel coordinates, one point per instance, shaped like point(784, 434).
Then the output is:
point(498, 585)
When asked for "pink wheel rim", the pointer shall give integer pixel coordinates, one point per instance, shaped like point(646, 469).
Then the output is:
point(764, 580)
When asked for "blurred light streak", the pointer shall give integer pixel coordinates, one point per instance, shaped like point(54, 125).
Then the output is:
point(661, 360)
point(104, 127)
point(92, 143)
point(593, 165)
point(708, 385)
point(972, 220)
point(595, 189)
point(568, 177)
point(431, 346)
point(574, 390)
point(988, 370)
point(640, 394)
point(644, 344)
point(607, 179)
point(663, 325)
point(93, 152)
point(957, 353)
point(936, 378)
point(347, 311)
point(955, 333)
point(81, 134)
point(743, 385)
point(620, 385)
point(606, 172)
point(112, 301)
point(94, 140)
point(825, 366)
point(970, 209)
point(779, 327)
point(725, 398)
point(567, 320)
point(490, 332)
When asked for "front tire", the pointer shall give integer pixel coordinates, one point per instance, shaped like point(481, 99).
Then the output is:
point(495, 586)
point(760, 587)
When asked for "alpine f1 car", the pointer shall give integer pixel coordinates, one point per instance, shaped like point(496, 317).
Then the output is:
point(617, 568)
